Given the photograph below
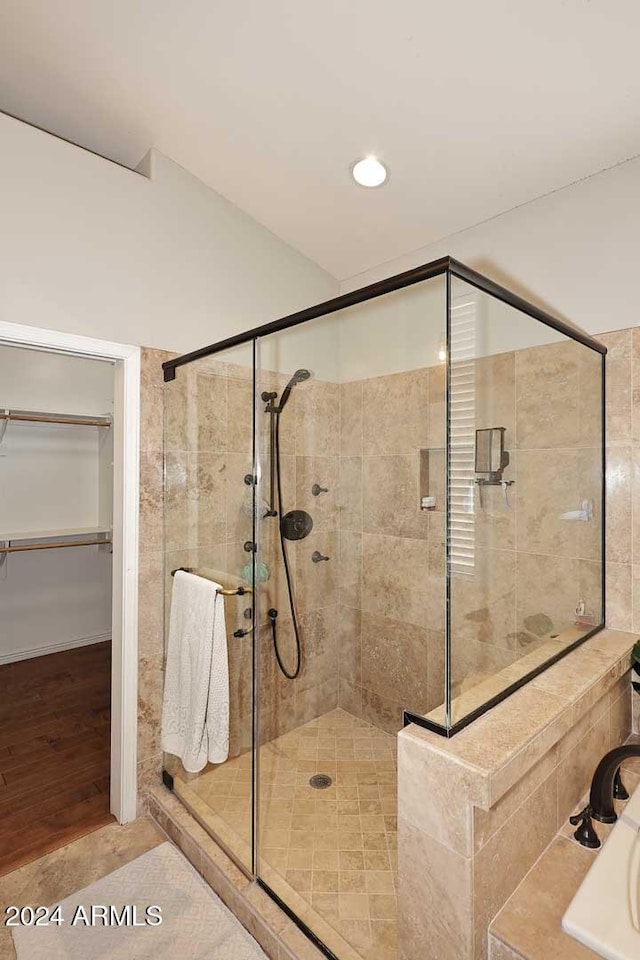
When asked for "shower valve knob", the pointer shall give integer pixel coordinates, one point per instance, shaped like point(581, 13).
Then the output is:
point(316, 490)
point(318, 557)
point(249, 546)
point(585, 834)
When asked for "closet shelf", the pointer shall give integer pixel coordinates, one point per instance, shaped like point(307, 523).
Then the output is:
point(25, 540)
point(35, 416)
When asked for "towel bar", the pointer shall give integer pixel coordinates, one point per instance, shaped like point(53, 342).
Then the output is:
point(237, 592)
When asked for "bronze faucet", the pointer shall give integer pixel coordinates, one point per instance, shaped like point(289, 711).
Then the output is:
point(606, 787)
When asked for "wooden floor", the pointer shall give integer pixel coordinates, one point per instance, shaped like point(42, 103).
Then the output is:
point(54, 751)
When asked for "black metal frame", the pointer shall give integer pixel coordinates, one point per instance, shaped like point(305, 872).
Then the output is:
point(462, 272)
point(425, 272)
point(449, 267)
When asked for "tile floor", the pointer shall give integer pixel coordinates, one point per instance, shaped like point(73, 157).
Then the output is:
point(330, 854)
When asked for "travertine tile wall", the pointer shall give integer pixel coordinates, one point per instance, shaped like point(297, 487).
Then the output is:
point(530, 567)
point(209, 450)
point(623, 478)
point(151, 573)
point(196, 511)
point(309, 454)
point(622, 408)
point(391, 552)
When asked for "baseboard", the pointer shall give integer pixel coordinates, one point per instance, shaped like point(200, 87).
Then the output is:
point(52, 648)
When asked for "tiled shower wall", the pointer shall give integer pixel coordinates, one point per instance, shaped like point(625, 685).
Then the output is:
point(207, 453)
point(623, 478)
point(531, 567)
point(391, 553)
point(309, 455)
point(150, 573)
point(208, 520)
point(528, 567)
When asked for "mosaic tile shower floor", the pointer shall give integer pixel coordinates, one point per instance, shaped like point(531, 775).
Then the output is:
point(330, 854)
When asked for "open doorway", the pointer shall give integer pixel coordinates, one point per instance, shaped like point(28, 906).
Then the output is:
point(69, 422)
point(56, 519)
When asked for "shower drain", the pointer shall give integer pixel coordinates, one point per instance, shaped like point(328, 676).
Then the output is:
point(320, 781)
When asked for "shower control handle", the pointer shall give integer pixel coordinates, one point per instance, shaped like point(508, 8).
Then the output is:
point(318, 557)
point(316, 490)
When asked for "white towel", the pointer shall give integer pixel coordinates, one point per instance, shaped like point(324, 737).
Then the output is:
point(195, 710)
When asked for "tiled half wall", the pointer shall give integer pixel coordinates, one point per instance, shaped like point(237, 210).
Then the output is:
point(475, 812)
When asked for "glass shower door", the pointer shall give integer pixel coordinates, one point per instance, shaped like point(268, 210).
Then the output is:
point(350, 607)
point(209, 530)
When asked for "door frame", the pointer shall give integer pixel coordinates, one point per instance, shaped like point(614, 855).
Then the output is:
point(126, 471)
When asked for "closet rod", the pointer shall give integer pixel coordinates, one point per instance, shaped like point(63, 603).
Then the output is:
point(52, 418)
point(52, 546)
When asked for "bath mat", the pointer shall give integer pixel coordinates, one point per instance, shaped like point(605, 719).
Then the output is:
point(196, 925)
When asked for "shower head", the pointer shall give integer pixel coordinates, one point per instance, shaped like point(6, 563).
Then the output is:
point(298, 377)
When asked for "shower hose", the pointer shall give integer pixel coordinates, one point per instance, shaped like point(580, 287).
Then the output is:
point(273, 613)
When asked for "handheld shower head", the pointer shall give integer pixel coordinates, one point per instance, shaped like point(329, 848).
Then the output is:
point(298, 377)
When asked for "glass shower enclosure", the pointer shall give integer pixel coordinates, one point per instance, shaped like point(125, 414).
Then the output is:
point(400, 492)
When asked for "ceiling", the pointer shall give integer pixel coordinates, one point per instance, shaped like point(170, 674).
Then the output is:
point(477, 107)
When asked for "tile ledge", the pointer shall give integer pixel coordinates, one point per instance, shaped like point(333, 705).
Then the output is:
point(564, 709)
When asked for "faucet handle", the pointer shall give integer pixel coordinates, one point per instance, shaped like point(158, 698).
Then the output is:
point(585, 834)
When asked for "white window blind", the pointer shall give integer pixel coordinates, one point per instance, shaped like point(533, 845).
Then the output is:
point(462, 414)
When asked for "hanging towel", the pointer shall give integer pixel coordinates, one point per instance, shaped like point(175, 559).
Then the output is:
point(195, 710)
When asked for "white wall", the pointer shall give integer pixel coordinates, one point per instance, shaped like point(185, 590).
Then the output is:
point(573, 253)
point(91, 248)
point(52, 478)
point(55, 382)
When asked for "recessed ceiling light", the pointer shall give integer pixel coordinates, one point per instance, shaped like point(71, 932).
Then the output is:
point(369, 172)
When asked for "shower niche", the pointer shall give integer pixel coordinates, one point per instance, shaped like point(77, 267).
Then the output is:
point(401, 524)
